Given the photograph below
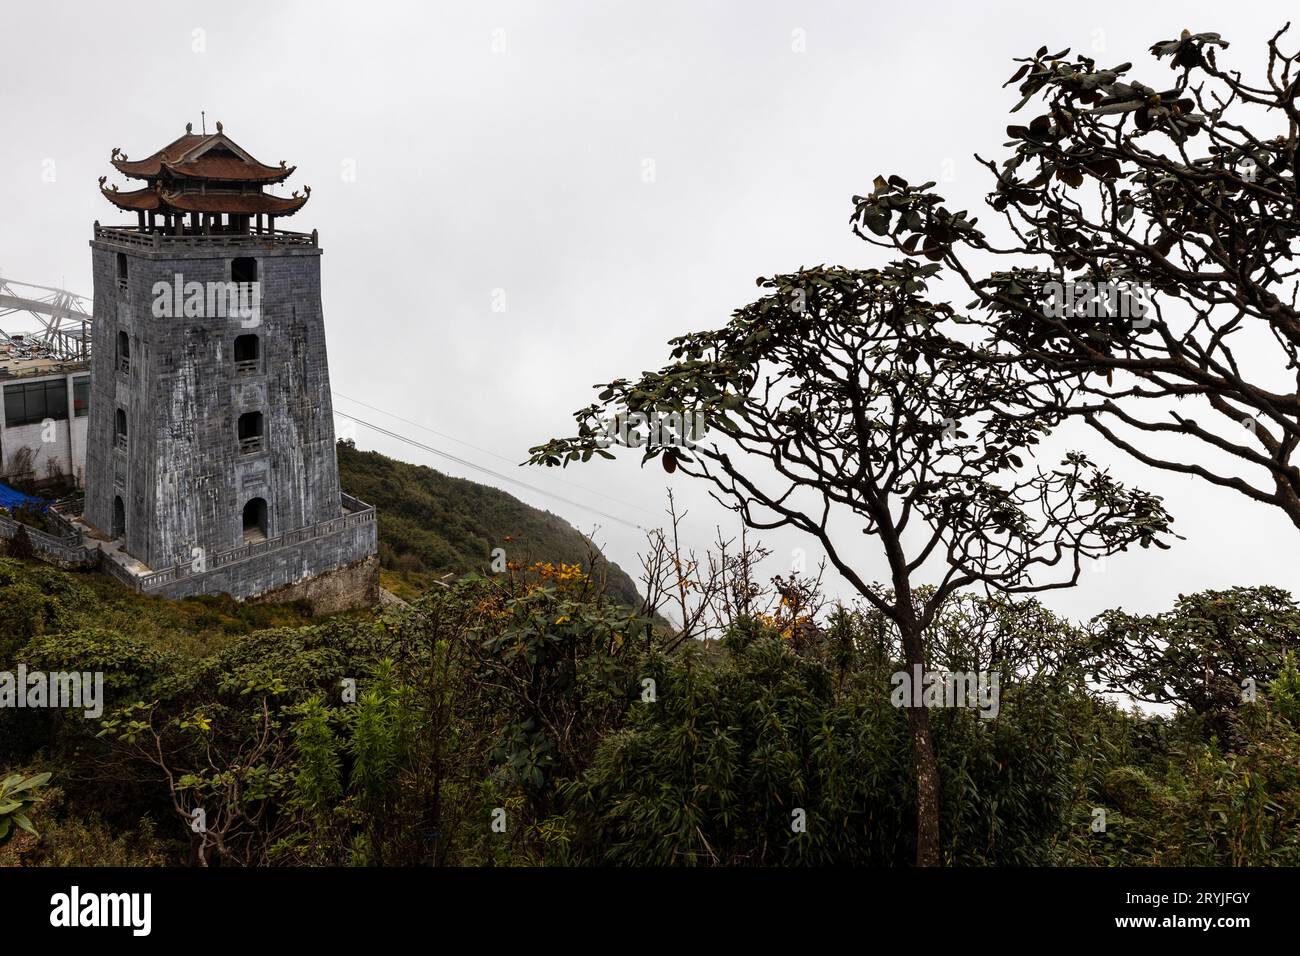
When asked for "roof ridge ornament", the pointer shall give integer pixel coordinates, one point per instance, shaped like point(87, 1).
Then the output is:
point(189, 129)
point(219, 126)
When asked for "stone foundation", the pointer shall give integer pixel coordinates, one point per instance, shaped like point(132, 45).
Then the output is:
point(347, 588)
point(333, 565)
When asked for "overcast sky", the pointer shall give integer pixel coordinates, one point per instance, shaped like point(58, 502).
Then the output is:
point(615, 173)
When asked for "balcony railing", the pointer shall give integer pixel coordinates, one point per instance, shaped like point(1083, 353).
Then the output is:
point(249, 367)
point(146, 239)
point(121, 443)
point(356, 513)
point(61, 543)
point(250, 446)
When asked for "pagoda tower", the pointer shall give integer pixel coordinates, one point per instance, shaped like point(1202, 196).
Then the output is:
point(210, 456)
point(203, 185)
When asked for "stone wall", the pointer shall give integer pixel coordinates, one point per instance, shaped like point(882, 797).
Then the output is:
point(334, 571)
point(343, 589)
point(57, 546)
point(275, 569)
point(183, 478)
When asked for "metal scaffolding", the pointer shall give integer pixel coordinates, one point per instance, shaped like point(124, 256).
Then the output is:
point(64, 319)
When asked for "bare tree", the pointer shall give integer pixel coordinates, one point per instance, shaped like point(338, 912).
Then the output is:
point(706, 595)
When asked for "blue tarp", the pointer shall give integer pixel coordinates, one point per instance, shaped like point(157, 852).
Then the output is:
point(11, 499)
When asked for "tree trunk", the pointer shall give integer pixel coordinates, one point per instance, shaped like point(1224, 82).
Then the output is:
point(923, 763)
point(927, 788)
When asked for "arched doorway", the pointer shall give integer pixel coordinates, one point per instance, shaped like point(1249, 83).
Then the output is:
point(255, 520)
point(119, 517)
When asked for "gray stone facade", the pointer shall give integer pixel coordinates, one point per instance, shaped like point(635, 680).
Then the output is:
point(167, 397)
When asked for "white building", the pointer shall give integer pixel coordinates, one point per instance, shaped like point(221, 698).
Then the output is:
point(44, 417)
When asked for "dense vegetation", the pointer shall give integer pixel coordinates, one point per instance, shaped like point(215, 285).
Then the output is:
point(527, 719)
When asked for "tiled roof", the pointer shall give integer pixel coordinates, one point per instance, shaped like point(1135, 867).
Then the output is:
point(145, 199)
point(187, 175)
point(148, 168)
point(210, 156)
point(231, 202)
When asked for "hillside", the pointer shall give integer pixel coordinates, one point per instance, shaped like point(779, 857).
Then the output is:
point(431, 523)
